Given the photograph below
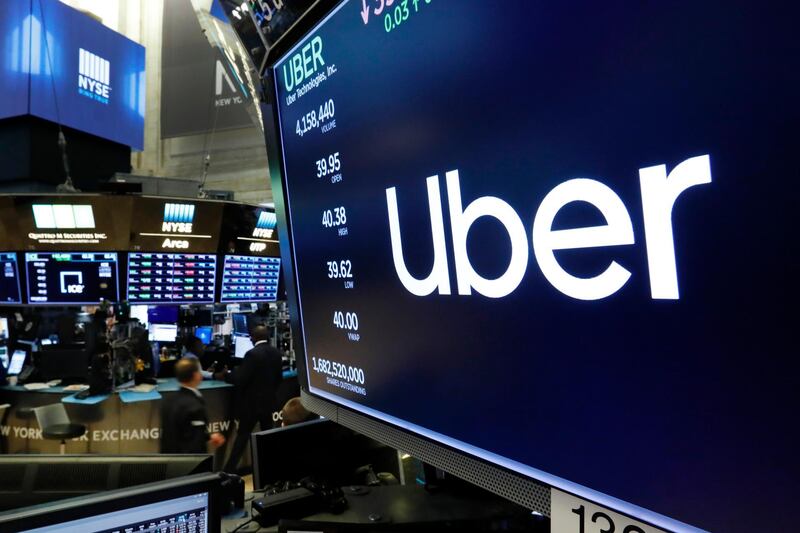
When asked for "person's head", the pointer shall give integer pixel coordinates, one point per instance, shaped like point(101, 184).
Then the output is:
point(194, 345)
point(187, 372)
point(259, 333)
point(294, 412)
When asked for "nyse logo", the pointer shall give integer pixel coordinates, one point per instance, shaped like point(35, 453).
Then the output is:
point(265, 226)
point(94, 76)
point(659, 190)
point(178, 218)
point(71, 282)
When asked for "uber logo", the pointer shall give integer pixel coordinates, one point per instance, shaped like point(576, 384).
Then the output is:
point(94, 76)
point(659, 190)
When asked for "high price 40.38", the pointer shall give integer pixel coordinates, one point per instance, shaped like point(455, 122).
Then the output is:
point(314, 120)
point(338, 370)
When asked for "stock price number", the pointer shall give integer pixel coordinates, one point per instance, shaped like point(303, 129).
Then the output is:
point(328, 165)
point(335, 217)
point(337, 370)
point(340, 269)
point(313, 119)
point(347, 321)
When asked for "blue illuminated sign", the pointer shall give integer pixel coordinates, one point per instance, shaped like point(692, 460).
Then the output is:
point(61, 65)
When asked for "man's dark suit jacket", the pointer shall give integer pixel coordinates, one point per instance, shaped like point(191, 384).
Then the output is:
point(257, 380)
point(183, 423)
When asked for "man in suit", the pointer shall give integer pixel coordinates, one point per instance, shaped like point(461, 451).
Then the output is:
point(184, 418)
point(256, 381)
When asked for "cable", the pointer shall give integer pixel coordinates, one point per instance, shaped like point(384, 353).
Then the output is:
point(240, 526)
point(67, 186)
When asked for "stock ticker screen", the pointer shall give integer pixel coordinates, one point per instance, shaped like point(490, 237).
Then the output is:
point(9, 279)
point(159, 278)
point(71, 278)
point(567, 226)
point(250, 279)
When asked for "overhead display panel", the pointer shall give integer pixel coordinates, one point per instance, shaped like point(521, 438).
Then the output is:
point(160, 278)
point(249, 230)
point(250, 279)
point(79, 278)
point(9, 279)
point(569, 225)
point(73, 222)
point(164, 224)
point(64, 66)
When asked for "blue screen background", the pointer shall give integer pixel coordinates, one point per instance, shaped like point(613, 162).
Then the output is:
point(686, 407)
point(31, 78)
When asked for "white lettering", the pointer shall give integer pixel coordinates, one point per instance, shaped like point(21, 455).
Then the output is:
point(618, 231)
point(461, 221)
point(659, 193)
point(439, 276)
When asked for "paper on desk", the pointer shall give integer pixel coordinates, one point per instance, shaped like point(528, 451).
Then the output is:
point(72, 388)
point(142, 387)
point(36, 386)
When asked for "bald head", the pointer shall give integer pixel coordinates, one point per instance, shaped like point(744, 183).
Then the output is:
point(187, 372)
point(294, 412)
point(259, 333)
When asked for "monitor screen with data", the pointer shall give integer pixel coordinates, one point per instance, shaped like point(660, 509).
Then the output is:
point(566, 227)
point(166, 278)
point(71, 278)
point(250, 279)
point(9, 279)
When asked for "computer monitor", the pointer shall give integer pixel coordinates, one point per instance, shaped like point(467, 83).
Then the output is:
point(9, 279)
point(306, 449)
point(71, 278)
point(569, 255)
point(205, 334)
point(162, 314)
point(4, 331)
point(17, 362)
point(240, 324)
point(188, 503)
point(4, 356)
point(42, 478)
point(250, 279)
point(158, 278)
point(59, 363)
point(163, 332)
point(242, 345)
point(140, 312)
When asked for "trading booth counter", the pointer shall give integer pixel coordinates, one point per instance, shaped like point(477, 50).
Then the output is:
point(119, 423)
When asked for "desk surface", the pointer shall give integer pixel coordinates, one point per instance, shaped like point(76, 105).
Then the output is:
point(409, 504)
point(164, 385)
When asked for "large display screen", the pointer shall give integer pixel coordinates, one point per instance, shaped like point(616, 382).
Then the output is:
point(176, 224)
point(558, 237)
point(62, 65)
point(76, 223)
point(250, 279)
point(71, 278)
point(9, 279)
point(156, 278)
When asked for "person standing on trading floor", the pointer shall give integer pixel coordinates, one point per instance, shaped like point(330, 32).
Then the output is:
point(195, 350)
point(256, 381)
point(184, 418)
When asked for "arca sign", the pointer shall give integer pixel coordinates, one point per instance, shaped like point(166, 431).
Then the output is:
point(660, 190)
